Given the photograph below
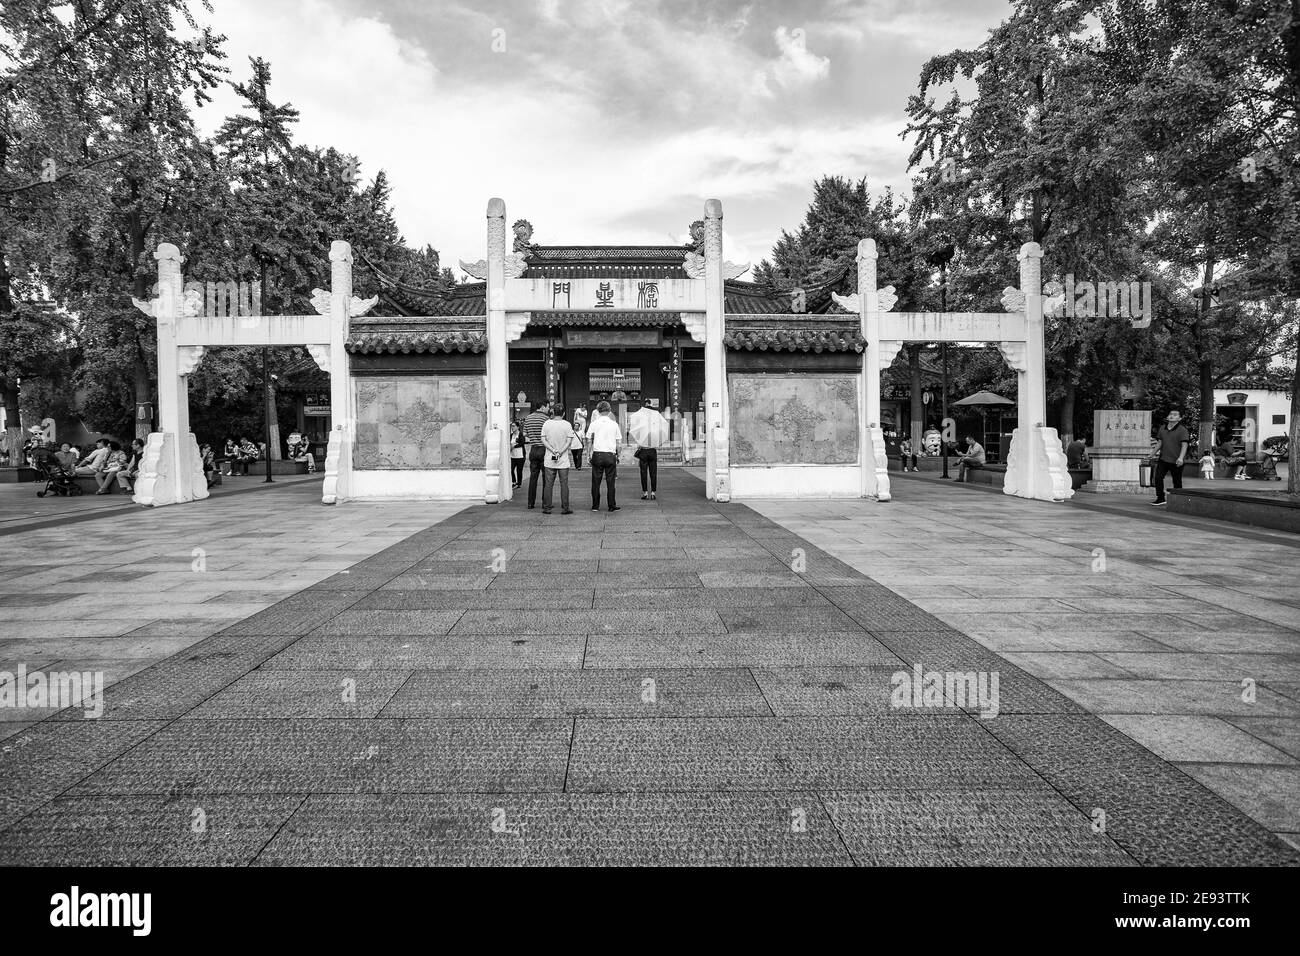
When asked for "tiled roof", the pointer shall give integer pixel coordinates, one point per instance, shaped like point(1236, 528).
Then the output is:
point(773, 334)
point(607, 254)
point(635, 262)
point(398, 335)
point(1275, 380)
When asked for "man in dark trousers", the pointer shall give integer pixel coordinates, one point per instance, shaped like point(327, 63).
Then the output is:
point(1171, 444)
point(536, 450)
point(606, 437)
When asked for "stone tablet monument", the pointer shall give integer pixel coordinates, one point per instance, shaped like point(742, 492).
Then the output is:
point(1121, 442)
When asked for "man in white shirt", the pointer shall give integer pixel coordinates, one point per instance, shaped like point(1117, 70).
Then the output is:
point(93, 462)
point(557, 438)
point(606, 437)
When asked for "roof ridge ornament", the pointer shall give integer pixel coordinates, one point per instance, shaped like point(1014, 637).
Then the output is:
point(320, 301)
point(693, 266)
point(886, 298)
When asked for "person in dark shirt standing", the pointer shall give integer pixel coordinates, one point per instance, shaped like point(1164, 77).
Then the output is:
point(536, 451)
point(1171, 444)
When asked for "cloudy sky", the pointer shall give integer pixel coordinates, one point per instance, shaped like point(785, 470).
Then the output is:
point(601, 121)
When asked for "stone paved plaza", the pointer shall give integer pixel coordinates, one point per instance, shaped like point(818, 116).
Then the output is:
point(678, 682)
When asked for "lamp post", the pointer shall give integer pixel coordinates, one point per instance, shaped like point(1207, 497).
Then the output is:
point(266, 411)
point(943, 350)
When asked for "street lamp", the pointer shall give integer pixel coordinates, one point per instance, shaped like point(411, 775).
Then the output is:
point(266, 410)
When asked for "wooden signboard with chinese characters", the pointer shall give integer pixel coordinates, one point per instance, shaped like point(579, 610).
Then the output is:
point(612, 338)
point(1119, 432)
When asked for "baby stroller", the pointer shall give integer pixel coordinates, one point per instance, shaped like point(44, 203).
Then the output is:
point(57, 480)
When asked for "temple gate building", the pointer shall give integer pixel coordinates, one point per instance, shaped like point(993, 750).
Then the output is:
point(777, 393)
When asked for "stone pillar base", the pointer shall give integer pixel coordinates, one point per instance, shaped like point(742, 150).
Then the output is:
point(876, 464)
point(338, 460)
point(171, 471)
point(1114, 487)
point(1036, 466)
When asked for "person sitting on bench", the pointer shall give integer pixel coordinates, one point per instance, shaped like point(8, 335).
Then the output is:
point(973, 458)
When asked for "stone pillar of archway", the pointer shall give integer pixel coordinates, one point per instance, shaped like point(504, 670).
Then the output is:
point(717, 477)
point(497, 486)
point(338, 456)
point(872, 461)
point(1036, 465)
point(171, 470)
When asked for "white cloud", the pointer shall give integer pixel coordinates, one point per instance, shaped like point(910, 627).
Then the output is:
point(572, 143)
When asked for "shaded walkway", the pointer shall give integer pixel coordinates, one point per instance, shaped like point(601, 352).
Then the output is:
point(653, 686)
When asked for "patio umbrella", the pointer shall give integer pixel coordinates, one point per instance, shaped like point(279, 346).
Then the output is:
point(983, 400)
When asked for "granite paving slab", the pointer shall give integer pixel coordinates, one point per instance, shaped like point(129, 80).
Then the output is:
point(737, 650)
point(398, 623)
point(791, 753)
point(499, 599)
point(1030, 827)
point(274, 694)
point(676, 829)
point(195, 757)
point(644, 693)
point(518, 651)
point(153, 830)
point(589, 622)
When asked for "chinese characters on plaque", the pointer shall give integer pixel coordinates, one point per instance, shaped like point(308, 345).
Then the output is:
point(1121, 430)
point(605, 296)
point(647, 295)
point(559, 289)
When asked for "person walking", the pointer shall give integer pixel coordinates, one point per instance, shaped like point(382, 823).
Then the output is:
point(605, 437)
point(516, 454)
point(557, 440)
point(1169, 452)
point(533, 426)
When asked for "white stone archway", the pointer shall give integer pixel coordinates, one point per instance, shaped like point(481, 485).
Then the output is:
point(171, 471)
point(1036, 465)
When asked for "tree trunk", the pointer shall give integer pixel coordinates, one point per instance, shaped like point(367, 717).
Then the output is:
point(13, 426)
point(1206, 433)
point(1067, 412)
point(1293, 442)
point(1206, 362)
point(140, 369)
point(273, 452)
point(918, 407)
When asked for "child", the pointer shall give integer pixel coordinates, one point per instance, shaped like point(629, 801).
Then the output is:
point(1207, 466)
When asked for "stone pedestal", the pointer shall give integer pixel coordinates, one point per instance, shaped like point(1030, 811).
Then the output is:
point(1121, 442)
point(1115, 474)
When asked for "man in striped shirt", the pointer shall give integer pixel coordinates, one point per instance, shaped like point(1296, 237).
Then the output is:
point(536, 450)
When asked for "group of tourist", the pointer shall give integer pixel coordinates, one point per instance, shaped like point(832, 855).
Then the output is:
point(553, 446)
point(111, 465)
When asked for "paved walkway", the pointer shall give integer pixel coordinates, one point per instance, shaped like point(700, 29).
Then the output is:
point(677, 682)
point(1184, 633)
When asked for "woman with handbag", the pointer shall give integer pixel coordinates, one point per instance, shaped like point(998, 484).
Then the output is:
point(516, 455)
